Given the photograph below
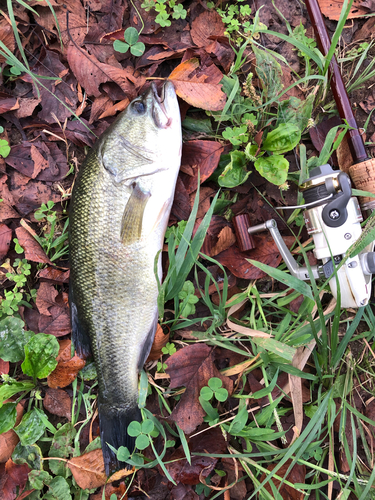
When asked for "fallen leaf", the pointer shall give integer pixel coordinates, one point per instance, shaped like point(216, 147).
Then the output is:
point(207, 24)
point(332, 9)
point(109, 490)
point(199, 157)
point(88, 470)
point(58, 402)
point(192, 367)
point(16, 477)
point(219, 236)
point(67, 367)
point(7, 37)
point(54, 275)
point(296, 475)
point(199, 86)
point(212, 441)
point(7, 103)
point(160, 340)
point(27, 106)
point(45, 298)
point(220, 47)
point(9, 439)
point(33, 251)
point(181, 203)
point(4, 367)
point(265, 251)
point(366, 31)
point(116, 108)
point(5, 239)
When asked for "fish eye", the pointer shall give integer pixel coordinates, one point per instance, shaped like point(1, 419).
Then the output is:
point(139, 107)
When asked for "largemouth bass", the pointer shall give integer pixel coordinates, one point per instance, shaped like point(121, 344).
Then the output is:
point(119, 213)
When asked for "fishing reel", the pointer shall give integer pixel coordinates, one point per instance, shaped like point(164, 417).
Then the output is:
point(332, 217)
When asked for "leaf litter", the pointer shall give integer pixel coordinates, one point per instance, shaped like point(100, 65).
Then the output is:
point(84, 76)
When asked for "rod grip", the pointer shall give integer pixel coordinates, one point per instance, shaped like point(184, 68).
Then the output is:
point(363, 177)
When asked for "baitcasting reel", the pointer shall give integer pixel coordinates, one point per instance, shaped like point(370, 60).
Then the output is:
point(332, 216)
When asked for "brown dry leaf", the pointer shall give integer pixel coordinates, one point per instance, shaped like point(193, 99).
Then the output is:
point(119, 491)
point(45, 298)
point(185, 473)
point(16, 477)
point(296, 475)
point(56, 276)
point(33, 251)
point(332, 9)
point(116, 108)
point(88, 470)
point(219, 236)
point(7, 37)
point(9, 439)
point(67, 368)
point(199, 86)
point(266, 251)
point(199, 156)
point(181, 204)
point(160, 341)
point(99, 106)
point(5, 239)
point(207, 24)
point(192, 367)
point(27, 106)
point(4, 367)
point(7, 103)
point(58, 402)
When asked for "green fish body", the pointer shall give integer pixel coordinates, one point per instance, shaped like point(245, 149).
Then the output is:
point(120, 208)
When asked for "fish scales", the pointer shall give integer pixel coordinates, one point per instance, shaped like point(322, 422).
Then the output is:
point(119, 213)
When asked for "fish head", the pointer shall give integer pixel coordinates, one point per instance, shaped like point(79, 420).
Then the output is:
point(146, 134)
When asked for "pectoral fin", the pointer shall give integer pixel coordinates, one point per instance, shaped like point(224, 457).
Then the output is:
point(131, 224)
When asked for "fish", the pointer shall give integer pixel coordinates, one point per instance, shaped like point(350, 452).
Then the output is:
point(119, 211)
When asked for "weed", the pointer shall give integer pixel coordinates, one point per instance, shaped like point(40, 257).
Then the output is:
point(54, 242)
point(131, 36)
point(13, 299)
point(4, 146)
point(165, 9)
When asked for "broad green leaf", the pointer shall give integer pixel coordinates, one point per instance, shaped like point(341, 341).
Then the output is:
point(94, 445)
point(40, 356)
point(61, 447)
point(147, 426)
point(120, 46)
point(123, 454)
point(134, 428)
point(235, 172)
point(215, 383)
point(279, 348)
point(9, 390)
point(13, 339)
point(137, 49)
point(88, 372)
point(295, 111)
point(274, 168)
point(30, 455)
point(38, 478)
point(143, 388)
point(206, 393)
point(8, 416)
point(269, 72)
point(221, 394)
point(286, 278)
point(267, 390)
point(142, 442)
point(239, 421)
point(131, 36)
point(58, 489)
point(283, 138)
point(31, 428)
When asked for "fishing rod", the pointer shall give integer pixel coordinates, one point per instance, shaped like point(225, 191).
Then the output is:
point(332, 215)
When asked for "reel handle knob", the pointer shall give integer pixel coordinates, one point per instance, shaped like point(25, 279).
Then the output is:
point(241, 225)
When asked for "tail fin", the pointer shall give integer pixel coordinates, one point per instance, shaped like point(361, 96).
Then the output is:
point(114, 423)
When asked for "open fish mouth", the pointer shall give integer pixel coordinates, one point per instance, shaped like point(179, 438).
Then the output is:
point(163, 105)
